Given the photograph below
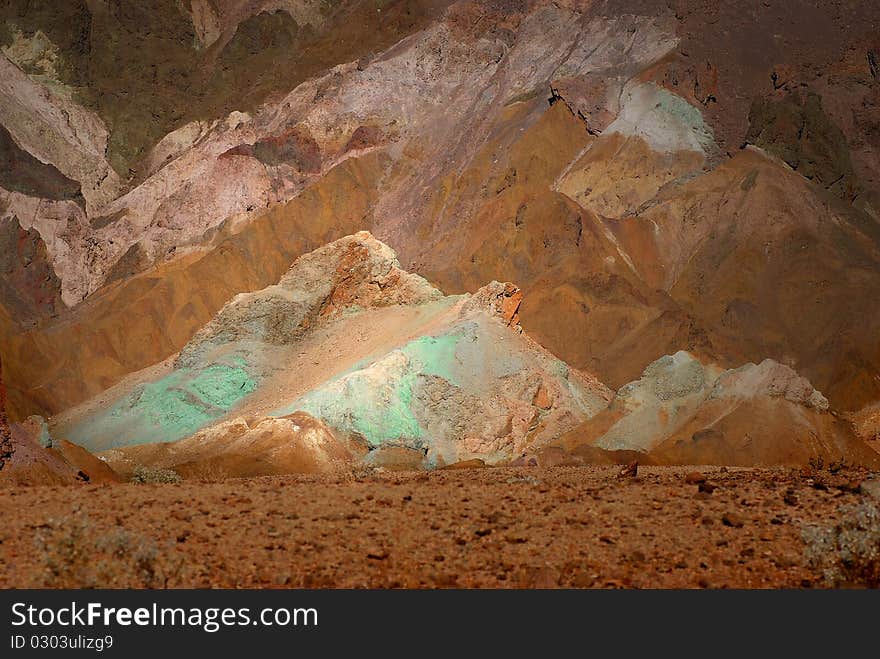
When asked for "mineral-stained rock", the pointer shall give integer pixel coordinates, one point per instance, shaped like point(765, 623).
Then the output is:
point(294, 147)
point(462, 382)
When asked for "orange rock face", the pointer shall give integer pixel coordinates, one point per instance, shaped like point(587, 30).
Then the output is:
point(510, 304)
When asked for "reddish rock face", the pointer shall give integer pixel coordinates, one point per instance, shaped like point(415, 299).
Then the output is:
point(510, 304)
point(504, 300)
point(543, 399)
point(294, 147)
point(29, 287)
point(364, 137)
point(698, 83)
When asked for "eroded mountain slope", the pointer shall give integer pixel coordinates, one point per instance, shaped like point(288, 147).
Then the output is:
point(624, 206)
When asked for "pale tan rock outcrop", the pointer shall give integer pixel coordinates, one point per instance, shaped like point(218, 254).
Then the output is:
point(683, 411)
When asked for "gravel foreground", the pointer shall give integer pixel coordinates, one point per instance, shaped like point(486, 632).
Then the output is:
point(667, 527)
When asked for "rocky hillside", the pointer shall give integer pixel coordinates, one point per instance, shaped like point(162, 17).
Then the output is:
point(377, 361)
point(351, 361)
point(684, 412)
point(657, 177)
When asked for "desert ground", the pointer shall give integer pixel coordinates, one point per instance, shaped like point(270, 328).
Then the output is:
point(571, 527)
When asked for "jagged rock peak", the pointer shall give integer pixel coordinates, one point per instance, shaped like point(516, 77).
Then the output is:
point(354, 272)
point(500, 298)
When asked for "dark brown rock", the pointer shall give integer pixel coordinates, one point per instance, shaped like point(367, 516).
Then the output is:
point(733, 519)
point(795, 128)
point(694, 478)
point(629, 471)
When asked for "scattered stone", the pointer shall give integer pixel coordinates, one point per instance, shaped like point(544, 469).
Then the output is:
point(708, 487)
point(790, 497)
point(629, 471)
point(473, 463)
point(694, 478)
point(784, 562)
point(531, 480)
point(582, 580)
point(853, 486)
point(733, 520)
point(542, 398)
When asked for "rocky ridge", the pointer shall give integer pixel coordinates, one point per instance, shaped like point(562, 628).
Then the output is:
point(442, 380)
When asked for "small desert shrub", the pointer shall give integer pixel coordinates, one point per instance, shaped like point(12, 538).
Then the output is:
point(144, 474)
point(75, 553)
point(847, 553)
